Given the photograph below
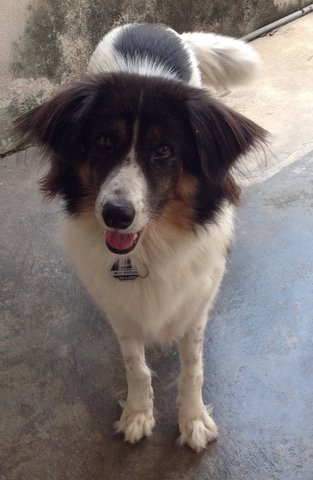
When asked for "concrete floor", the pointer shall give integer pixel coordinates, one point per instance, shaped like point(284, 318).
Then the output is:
point(280, 98)
point(61, 374)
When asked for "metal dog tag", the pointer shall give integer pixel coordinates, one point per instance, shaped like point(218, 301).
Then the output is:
point(124, 270)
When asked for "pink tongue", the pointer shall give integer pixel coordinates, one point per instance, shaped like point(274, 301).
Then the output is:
point(120, 241)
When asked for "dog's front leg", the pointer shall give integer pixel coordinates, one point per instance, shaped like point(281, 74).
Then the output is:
point(196, 426)
point(137, 418)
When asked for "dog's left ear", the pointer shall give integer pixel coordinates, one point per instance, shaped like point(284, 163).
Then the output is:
point(221, 135)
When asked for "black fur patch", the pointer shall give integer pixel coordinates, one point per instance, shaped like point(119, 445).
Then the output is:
point(90, 127)
point(156, 43)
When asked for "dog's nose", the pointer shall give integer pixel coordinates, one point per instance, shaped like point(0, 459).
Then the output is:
point(118, 215)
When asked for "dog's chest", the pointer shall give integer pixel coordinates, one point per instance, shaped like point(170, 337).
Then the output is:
point(153, 299)
point(148, 295)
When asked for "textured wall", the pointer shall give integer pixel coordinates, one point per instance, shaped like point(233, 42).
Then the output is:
point(47, 42)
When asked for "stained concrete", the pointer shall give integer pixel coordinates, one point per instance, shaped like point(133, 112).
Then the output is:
point(280, 98)
point(46, 43)
point(62, 375)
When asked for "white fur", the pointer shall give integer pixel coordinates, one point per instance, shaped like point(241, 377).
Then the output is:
point(217, 60)
point(223, 61)
point(171, 304)
point(126, 183)
point(184, 269)
point(106, 59)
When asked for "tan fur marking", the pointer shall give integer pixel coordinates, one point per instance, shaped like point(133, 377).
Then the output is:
point(179, 211)
point(186, 187)
point(84, 174)
point(87, 202)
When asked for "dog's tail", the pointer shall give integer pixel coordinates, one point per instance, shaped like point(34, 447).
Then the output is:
point(223, 61)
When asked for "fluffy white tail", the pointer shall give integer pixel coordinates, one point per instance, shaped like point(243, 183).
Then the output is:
point(223, 61)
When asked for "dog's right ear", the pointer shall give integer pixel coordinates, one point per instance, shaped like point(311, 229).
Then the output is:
point(56, 125)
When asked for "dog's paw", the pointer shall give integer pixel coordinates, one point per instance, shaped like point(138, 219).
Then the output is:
point(197, 430)
point(135, 424)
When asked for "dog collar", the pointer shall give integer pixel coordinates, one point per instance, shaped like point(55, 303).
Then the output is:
point(124, 269)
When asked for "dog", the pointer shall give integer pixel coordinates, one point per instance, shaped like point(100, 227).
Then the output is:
point(142, 156)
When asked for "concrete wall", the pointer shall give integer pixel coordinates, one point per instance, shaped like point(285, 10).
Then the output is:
point(44, 43)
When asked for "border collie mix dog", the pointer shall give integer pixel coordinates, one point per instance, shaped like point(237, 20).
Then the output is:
point(141, 156)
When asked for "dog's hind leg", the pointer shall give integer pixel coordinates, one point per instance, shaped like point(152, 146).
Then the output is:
point(137, 418)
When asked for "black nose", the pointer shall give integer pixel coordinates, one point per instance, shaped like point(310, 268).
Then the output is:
point(118, 214)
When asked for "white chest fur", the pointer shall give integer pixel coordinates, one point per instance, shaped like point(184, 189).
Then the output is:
point(183, 275)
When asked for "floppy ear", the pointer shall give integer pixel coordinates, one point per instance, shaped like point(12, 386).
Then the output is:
point(57, 124)
point(221, 135)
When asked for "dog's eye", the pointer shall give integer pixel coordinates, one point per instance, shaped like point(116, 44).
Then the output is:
point(104, 142)
point(163, 151)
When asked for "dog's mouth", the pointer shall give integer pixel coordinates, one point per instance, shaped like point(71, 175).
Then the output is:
point(121, 243)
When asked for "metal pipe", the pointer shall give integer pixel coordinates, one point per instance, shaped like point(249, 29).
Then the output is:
point(278, 23)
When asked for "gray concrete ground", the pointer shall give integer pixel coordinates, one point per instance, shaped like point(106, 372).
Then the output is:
point(280, 98)
point(61, 373)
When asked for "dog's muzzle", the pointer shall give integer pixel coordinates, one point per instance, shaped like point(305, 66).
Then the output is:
point(119, 216)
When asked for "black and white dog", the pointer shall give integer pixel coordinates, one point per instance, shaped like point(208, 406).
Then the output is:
point(142, 157)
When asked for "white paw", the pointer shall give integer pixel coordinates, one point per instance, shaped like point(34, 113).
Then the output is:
point(135, 424)
point(197, 430)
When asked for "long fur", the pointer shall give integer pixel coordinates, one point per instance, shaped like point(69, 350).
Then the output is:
point(142, 158)
point(223, 61)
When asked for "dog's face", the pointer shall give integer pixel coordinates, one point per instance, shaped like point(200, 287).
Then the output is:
point(136, 151)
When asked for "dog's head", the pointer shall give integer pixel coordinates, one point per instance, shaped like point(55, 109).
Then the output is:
point(136, 151)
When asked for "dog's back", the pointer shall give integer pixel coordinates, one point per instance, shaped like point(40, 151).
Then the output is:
point(194, 58)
